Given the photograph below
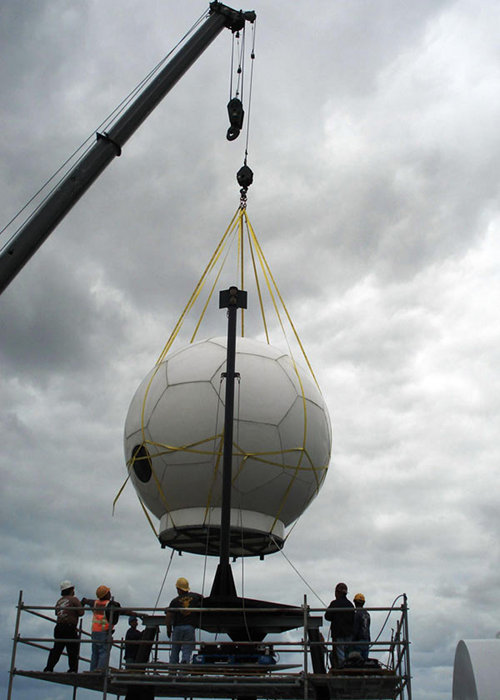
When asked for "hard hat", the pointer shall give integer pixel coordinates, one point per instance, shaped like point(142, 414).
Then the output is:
point(65, 585)
point(359, 596)
point(101, 592)
point(131, 619)
point(182, 583)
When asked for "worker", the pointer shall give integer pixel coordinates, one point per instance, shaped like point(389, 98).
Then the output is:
point(340, 613)
point(182, 621)
point(104, 619)
point(132, 636)
point(68, 610)
point(361, 627)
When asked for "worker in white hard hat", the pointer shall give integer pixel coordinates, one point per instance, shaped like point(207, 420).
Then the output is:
point(182, 621)
point(361, 628)
point(68, 611)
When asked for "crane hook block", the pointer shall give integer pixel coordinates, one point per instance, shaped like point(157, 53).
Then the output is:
point(236, 114)
point(244, 176)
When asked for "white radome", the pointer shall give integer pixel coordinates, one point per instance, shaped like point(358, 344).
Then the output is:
point(174, 443)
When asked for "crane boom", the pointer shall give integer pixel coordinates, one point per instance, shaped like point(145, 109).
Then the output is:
point(108, 145)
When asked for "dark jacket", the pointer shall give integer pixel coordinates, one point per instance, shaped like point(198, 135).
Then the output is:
point(361, 628)
point(179, 613)
point(341, 614)
point(131, 650)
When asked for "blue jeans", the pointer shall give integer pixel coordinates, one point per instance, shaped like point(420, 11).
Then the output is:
point(362, 647)
point(183, 639)
point(340, 651)
point(100, 651)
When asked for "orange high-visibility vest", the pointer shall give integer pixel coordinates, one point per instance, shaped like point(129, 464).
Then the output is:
point(99, 621)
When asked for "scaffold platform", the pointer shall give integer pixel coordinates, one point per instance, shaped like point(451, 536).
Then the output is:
point(292, 676)
point(207, 682)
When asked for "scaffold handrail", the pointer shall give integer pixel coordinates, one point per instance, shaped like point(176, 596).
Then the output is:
point(289, 651)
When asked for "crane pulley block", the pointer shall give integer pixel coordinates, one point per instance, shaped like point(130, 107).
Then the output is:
point(244, 176)
point(236, 114)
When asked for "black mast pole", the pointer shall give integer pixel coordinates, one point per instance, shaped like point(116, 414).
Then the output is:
point(223, 586)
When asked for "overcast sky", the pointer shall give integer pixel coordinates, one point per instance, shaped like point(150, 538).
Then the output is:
point(375, 145)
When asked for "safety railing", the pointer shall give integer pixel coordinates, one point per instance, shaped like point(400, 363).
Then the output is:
point(297, 663)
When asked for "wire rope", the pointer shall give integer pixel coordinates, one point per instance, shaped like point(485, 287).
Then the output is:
point(45, 198)
point(164, 579)
point(35, 195)
point(243, 607)
point(204, 578)
point(241, 66)
point(298, 572)
point(215, 471)
point(231, 69)
point(217, 453)
point(237, 47)
point(252, 57)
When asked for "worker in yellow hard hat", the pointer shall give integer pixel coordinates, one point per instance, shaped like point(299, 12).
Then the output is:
point(361, 627)
point(105, 617)
point(182, 621)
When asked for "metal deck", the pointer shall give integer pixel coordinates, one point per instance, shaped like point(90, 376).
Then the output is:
point(232, 681)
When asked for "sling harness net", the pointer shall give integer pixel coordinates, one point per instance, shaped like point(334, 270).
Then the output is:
point(240, 232)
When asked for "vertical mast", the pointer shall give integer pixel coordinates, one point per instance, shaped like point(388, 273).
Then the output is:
point(231, 299)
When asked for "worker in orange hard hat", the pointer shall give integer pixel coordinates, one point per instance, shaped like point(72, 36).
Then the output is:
point(182, 621)
point(105, 617)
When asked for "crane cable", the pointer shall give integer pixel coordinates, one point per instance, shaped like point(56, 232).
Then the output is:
point(252, 58)
point(164, 579)
point(235, 109)
point(299, 574)
point(237, 92)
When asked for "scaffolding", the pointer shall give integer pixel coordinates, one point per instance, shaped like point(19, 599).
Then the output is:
point(278, 667)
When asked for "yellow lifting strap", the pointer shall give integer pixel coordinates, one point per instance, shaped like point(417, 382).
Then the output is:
point(241, 230)
point(239, 224)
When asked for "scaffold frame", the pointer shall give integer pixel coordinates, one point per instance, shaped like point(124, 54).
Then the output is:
point(291, 679)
